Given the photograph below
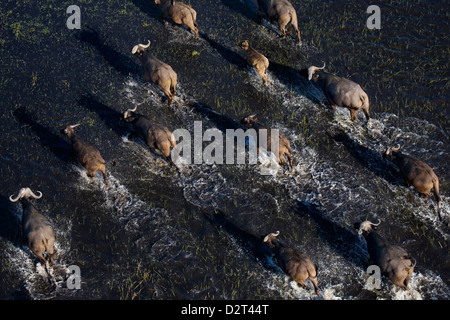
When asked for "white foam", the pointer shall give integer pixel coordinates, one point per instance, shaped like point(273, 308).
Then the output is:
point(37, 276)
point(317, 182)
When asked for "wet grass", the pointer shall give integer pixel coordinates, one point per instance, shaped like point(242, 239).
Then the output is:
point(381, 65)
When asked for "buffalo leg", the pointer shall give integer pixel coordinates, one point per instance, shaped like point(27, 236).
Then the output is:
point(353, 114)
point(103, 170)
point(38, 251)
point(315, 284)
point(290, 161)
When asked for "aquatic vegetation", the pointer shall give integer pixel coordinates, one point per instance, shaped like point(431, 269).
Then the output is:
point(157, 234)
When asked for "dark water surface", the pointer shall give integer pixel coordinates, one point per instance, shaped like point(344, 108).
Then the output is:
point(156, 233)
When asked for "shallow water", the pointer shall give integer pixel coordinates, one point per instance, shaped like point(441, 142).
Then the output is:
point(194, 231)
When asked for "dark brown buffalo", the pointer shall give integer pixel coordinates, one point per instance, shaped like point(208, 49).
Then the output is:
point(394, 262)
point(155, 135)
point(415, 173)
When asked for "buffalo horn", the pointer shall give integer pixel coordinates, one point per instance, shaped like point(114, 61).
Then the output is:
point(127, 113)
point(140, 47)
point(25, 192)
point(313, 69)
point(273, 234)
point(389, 150)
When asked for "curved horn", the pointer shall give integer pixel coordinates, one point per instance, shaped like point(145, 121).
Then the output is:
point(364, 226)
point(74, 125)
point(273, 234)
point(34, 195)
point(127, 113)
point(313, 69)
point(20, 195)
point(396, 148)
point(388, 151)
point(25, 192)
point(140, 47)
point(144, 46)
point(130, 110)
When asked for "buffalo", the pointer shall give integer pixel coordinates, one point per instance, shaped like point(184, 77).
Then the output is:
point(179, 13)
point(86, 154)
point(281, 11)
point(255, 59)
point(394, 262)
point(155, 135)
point(36, 228)
point(340, 91)
point(157, 71)
point(415, 173)
point(294, 263)
point(284, 147)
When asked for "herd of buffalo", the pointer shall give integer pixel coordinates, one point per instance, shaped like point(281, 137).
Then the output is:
point(394, 262)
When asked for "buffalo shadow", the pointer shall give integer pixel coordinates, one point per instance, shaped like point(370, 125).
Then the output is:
point(295, 78)
point(220, 121)
point(289, 76)
point(368, 158)
point(120, 62)
point(10, 224)
point(149, 8)
point(343, 241)
point(54, 142)
point(249, 242)
point(109, 116)
point(247, 8)
point(11, 231)
point(226, 53)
